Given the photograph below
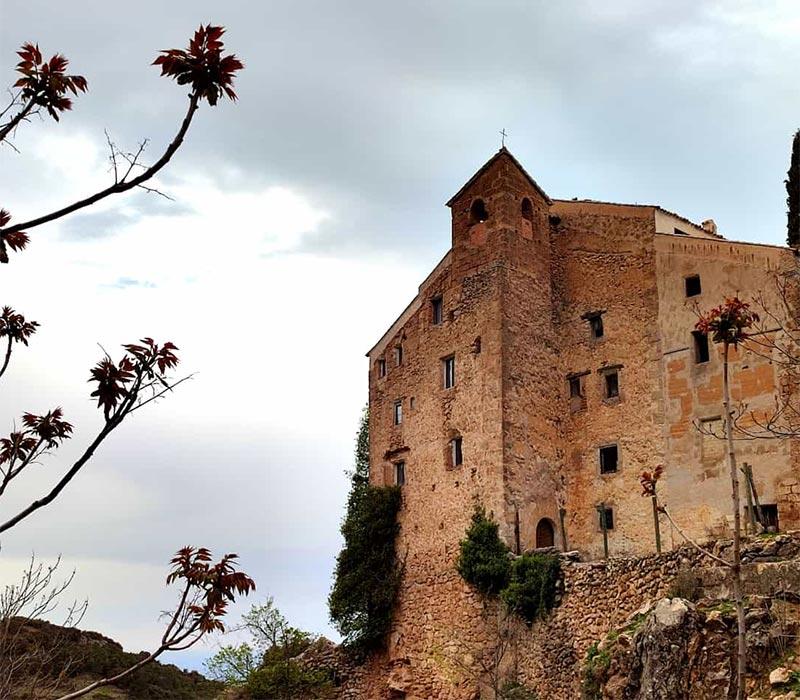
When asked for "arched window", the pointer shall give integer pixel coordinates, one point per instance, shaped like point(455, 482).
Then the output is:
point(527, 209)
point(545, 533)
point(477, 212)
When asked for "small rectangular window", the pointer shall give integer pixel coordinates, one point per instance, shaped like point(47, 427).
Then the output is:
point(449, 371)
point(456, 455)
point(692, 285)
point(611, 384)
point(596, 326)
point(399, 473)
point(381, 365)
point(700, 347)
point(609, 459)
point(398, 412)
point(606, 515)
point(575, 389)
point(398, 355)
point(436, 311)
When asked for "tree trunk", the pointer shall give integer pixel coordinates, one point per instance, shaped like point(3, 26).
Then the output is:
point(736, 568)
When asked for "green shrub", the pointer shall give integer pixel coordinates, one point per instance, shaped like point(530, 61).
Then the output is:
point(595, 669)
point(483, 560)
point(531, 591)
point(367, 575)
point(288, 680)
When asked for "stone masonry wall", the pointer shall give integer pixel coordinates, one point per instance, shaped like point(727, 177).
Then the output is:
point(597, 597)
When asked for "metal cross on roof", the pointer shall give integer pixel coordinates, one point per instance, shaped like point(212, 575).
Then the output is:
point(503, 135)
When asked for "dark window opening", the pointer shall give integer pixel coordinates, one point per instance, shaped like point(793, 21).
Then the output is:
point(437, 311)
point(609, 459)
point(577, 395)
point(399, 473)
point(701, 353)
point(596, 326)
point(398, 355)
point(606, 515)
point(381, 364)
point(449, 371)
point(527, 209)
point(477, 212)
point(611, 381)
point(769, 515)
point(692, 285)
point(456, 454)
point(678, 232)
point(398, 412)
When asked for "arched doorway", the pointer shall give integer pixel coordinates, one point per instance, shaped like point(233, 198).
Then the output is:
point(545, 533)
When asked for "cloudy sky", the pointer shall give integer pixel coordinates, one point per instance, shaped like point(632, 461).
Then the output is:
point(304, 217)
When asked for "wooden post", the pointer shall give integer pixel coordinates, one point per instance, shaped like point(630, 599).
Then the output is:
point(656, 523)
point(601, 509)
point(752, 484)
point(751, 514)
point(561, 514)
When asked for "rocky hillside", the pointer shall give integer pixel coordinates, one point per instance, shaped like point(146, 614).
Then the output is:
point(48, 661)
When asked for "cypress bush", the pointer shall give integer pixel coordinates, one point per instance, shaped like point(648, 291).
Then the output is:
point(367, 575)
point(483, 560)
point(531, 591)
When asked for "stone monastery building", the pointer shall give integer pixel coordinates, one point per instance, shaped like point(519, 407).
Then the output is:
point(549, 359)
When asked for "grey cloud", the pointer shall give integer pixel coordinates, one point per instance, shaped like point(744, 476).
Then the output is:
point(101, 224)
point(381, 112)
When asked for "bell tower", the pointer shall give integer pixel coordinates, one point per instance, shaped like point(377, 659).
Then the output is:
point(501, 236)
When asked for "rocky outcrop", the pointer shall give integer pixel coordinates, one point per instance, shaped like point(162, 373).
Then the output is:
point(678, 649)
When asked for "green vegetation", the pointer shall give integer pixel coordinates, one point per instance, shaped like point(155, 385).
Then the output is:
point(367, 575)
point(526, 584)
point(267, 668)
point(531, 592)
point(514, 690)
point(484, 558)
point(595, 668)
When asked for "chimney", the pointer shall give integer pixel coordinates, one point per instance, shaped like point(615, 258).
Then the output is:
point(710, 226)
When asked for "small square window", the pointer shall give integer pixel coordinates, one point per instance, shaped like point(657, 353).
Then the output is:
point(456, 455)
point(609, 459)
point(381, 366)
point(399, 473)
point(701, 353)
point(606, 516)
point(398, 412)
point(596, 326)
point(398, 355)
point(611, 384)
point(692, 285)
point(437, 311)
point(449, 371)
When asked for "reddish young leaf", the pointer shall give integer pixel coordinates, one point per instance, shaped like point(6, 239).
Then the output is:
point(45, 83)
point(202, 65)
point(15, 327)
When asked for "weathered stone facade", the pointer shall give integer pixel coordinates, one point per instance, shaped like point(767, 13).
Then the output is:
point(515, 303)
